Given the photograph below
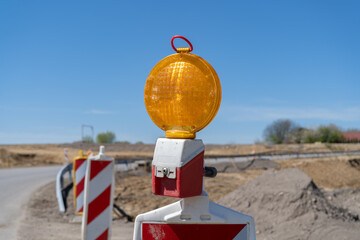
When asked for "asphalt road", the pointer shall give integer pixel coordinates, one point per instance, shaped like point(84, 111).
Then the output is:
point(16, 187)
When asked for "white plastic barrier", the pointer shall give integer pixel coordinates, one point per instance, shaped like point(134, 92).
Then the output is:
point(98, 202)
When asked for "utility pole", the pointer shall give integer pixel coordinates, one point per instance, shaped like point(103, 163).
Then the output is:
point(83, 131)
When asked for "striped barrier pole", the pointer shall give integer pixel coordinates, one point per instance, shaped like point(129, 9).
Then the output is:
point(99, 191)
point(79, 170)
point(253, 153)
point(66, 153)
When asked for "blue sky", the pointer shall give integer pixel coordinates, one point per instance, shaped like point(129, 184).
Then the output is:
point(68, 63)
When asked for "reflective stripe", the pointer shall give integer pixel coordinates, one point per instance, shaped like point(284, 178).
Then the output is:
point(98, 225)
point(99, 183)
point(80, 201)
point(80, 172)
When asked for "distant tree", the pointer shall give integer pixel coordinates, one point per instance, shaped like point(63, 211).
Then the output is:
point(325, 134)
point(310, 136)
point(330, 134)
point(279, 131)
point(107, 137)
point(297, 135)
point(354, 130)
point(87, 139)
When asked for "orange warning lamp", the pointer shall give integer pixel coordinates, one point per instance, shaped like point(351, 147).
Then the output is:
point(182, 93)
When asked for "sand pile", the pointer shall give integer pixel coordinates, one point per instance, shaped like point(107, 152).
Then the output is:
point(287, 204)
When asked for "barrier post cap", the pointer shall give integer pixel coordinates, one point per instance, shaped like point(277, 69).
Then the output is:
point(102, 153)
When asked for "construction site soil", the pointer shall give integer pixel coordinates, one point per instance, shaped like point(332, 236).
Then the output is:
point(286, 204)
point(307, 198)
point(50, 154)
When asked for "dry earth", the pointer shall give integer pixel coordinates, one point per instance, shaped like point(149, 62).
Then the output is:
point(47, 154)
point(329, 173)
point(322, 201)
point(287, 204)
point(43, 221)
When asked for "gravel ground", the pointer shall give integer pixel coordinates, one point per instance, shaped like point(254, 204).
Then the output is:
point(43, 221)
point(287, 204)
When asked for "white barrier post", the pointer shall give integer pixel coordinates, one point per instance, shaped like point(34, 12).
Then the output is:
point(66, 153)
point(253, 152)
point(99, 191)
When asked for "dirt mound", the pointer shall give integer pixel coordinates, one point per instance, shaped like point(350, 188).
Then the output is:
point(287, 204)
point(11, 159)
point(329, 173)
point(3, 158)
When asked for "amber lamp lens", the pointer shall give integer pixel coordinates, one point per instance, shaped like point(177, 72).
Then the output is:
point(182, 95)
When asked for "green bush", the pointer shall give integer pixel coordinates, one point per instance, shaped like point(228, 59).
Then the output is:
point(324, 134)
point(310, 136)
point(330, 134)
point(107, 137)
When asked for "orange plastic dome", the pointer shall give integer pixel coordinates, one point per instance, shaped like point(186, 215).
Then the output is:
point(182, 94)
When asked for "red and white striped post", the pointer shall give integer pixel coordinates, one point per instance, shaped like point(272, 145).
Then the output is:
point(79, 170)
point(253, 152)
point(66, 153)
point(99, 191)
